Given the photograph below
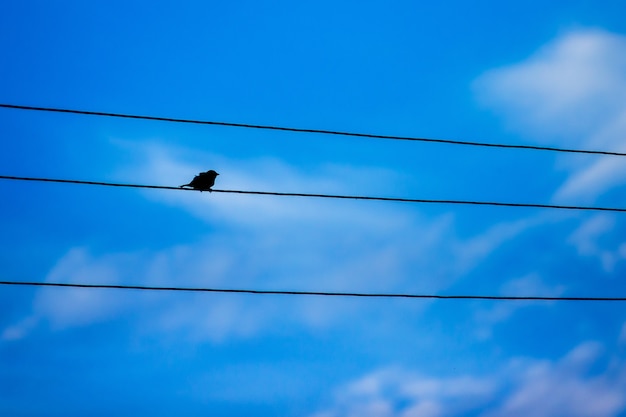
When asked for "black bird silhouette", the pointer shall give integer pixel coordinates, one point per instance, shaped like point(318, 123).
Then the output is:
point(203, 181)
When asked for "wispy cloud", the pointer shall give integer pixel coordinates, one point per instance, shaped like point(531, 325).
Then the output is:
point(395, 392)
point(572, 92)
point(523, 387)
point(568, 90)
point(588, 240)
point(287, 245)
point(156, 163)
point(565, 387)
point(529, 285)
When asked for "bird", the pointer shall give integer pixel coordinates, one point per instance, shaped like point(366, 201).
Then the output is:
point(203, 181)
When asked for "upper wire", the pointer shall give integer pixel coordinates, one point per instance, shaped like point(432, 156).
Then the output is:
point(321, 131)
point(310, 293)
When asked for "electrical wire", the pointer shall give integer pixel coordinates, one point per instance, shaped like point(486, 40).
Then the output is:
point(345, 197)
point(310, 293)
point(320, 131)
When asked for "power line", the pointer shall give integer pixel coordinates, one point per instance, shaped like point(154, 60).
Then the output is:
point(321, 131)
point(315, 293)
point(344, 197)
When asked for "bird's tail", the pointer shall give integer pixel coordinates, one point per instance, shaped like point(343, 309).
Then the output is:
point(186, 185)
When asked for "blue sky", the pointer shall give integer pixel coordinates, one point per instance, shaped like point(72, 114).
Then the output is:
point(515, 72)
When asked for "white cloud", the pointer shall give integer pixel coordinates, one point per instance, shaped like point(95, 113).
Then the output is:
point(564, 388)
point(163, 164)
point(573, 84)
point(302, 245)
point(529, 285)
point(78, 306)
point(223, 261)
point(476, 248)
point(19, 330)
point(587, 239)
point(524, 387)
point(572, 93)
point(590, 182)
point(356, 227)
point(395, 392)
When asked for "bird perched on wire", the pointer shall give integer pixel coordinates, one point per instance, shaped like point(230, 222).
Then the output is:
point(203, 181)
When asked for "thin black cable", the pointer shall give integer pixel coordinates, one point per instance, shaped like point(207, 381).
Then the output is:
point(317, 293)
point(321, 131)
point(344, 197)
